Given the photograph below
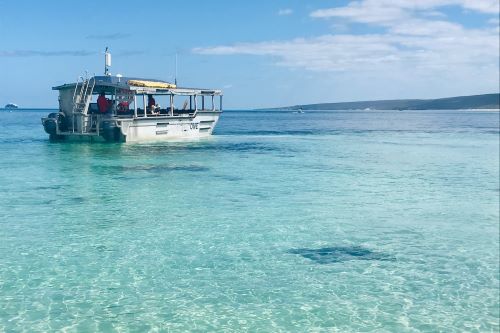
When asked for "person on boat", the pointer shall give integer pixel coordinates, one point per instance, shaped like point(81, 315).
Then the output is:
point(152, 104)
point(123, 107)
point(103, 103)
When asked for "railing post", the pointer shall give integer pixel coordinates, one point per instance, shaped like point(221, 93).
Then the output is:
point(113, 108)
point(172, 105)
point(135, 106)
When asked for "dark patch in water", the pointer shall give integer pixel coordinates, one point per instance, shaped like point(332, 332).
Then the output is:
point(277, 132)
point(228, 178)
point(404, 232)
point(336, 254)
point(77, 200)
point(166, 168)
point(103, 248)
point(22, 140)
point(250, 147)
point(240, 147)
point(50, 187)
point(257, 195)
point(48, 202)
point(150, 168)
point(128, 177)
point(254, 147)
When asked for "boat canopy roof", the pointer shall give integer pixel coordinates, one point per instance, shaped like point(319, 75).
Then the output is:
point(109, 84)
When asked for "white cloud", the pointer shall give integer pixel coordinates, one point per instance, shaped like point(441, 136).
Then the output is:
point(372, 11)
point(382, 52)
point(286, 11)
point(484, 6)
point(363, 12)
point(429, 28)
point(433, 13)
point(417, 42)
point(494, 21)
point(392, 12)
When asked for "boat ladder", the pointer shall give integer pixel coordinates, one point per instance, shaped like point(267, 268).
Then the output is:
point(81, 100)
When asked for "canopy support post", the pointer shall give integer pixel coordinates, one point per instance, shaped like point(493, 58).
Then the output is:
point(135, 106)
point(172, 105)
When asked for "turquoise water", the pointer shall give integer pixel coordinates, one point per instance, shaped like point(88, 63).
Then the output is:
point(281, 222)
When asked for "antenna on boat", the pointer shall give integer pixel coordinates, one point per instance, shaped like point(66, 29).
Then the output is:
point(175, 79)
point(107, 62)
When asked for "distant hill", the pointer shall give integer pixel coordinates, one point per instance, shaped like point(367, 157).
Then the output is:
point(487, 101)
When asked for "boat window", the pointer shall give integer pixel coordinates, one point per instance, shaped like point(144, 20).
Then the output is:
point(202, 102)
point(183, 104)
point(163, 101)
point(142, 104)
point(124, 101)
point(94, 107)
point(210, 102)
point(218, 103)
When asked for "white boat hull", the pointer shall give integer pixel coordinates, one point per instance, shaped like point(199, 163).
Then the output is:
point(168, 128)
point(136, 129)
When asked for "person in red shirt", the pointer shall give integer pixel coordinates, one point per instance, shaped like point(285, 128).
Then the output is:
point(123, 107)
point(102, 103)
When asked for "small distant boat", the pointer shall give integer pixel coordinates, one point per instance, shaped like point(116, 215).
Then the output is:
point(299, 111)
point(11, 106)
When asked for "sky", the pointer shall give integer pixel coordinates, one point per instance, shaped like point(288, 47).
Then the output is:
point(260, 53)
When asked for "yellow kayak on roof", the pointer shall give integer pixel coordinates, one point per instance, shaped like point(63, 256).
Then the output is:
point(151, 84)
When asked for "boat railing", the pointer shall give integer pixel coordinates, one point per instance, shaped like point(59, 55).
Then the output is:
point(192, 104)
point(86, 124)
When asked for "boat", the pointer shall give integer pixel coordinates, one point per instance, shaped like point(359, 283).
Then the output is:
point(129, 115)
point(11, 106)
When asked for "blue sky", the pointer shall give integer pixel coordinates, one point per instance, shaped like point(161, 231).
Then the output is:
point(261, 53)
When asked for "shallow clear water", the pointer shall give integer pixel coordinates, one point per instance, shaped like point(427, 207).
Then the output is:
point(327, 221)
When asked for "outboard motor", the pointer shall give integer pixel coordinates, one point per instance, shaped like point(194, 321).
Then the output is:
point(111, 132)
point(53, 121)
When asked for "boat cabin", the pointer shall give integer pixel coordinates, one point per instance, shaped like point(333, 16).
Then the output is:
point(129, 97)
